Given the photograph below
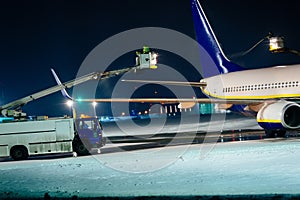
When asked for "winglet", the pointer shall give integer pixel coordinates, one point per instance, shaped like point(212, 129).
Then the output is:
point(63, 90)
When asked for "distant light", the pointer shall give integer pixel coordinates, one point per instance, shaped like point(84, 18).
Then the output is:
point(146, 112)
point(69, 103)
point(94, 104)
point(281, 66)
point(123, 113)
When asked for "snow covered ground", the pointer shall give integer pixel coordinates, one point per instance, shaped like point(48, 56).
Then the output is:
point(233, 168)
point(269, 166)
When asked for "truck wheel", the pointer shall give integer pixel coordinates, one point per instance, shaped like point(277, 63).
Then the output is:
point(80, 148)
point(103, 142)
point(19, 153)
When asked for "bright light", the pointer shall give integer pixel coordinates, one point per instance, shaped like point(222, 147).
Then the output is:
point(94, 104)
point(153, 59)
point(153, 62)
point(123, 113)
point(276, 44)
point(70, 103)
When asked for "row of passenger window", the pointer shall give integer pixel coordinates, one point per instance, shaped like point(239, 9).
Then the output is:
point(262, 86)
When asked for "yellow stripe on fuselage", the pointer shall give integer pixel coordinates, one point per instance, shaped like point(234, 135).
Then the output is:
point(268, 120)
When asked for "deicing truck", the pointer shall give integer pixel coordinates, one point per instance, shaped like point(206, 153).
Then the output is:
point(20, 139)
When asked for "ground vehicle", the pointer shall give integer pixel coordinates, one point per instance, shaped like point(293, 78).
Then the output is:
point(20, 139)
point(24, 138)
point(88, 135)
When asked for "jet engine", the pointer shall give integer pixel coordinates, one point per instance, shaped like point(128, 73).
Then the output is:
point(279, 115)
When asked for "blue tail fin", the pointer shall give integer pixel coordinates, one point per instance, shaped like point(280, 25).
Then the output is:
point(207, 39)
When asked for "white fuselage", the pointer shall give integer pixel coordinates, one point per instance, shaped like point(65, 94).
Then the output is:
point(266, 83)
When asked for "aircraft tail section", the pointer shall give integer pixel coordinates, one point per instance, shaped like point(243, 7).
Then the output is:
point(207, 39)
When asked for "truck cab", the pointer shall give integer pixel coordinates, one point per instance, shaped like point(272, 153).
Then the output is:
point(88, 135)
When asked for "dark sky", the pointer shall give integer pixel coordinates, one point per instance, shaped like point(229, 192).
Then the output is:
point(38, 35)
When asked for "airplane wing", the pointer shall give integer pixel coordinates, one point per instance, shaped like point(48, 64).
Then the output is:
point(253, 105)
point(174, 100)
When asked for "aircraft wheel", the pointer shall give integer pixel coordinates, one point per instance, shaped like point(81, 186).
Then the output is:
point(281, 133)
point(270, 133)
point(275, 133)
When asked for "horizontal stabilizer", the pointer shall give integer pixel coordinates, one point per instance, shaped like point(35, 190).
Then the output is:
point(177, 83)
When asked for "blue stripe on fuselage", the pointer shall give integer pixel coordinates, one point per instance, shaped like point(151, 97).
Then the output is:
point(270, 126)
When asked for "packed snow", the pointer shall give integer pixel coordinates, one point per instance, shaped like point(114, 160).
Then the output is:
point(269, 166)
point(252, 167)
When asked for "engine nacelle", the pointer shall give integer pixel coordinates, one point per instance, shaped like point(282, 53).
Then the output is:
point(279, 115)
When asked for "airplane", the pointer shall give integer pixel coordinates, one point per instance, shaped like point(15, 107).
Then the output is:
point(272, 93)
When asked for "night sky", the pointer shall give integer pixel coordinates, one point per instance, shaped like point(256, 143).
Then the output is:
point(39, 35)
